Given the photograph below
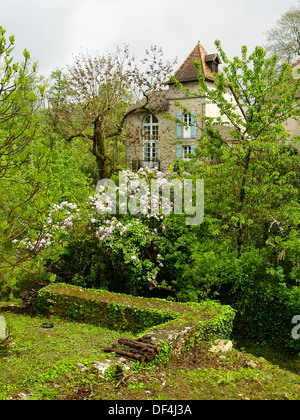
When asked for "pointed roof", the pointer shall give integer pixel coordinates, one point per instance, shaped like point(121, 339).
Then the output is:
point(187, 71)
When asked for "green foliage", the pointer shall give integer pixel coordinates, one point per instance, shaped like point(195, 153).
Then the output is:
point(247, 253)
point(23, 163)
point(73, 172)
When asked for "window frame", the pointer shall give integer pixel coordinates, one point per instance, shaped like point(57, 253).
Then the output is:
point(187, 126)
point(150, 132)
point(186, 131)
point(186, 150)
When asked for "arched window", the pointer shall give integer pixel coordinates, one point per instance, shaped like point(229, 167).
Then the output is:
point(150, 139)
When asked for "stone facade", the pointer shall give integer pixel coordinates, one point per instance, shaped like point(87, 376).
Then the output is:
point(167, 130)
point(157, 141)
point(292, 126)
point(160, 145)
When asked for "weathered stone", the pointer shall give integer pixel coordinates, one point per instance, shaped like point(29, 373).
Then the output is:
point(83, 368)
point(251, 364)
point(221, 346)
point(286, 395)
point(177, 325)
point(102, 366)
point(3, 333)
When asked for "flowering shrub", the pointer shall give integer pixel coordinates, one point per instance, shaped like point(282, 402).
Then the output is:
point(122, 237)
point(59, 220)
point(45, 246)
point(137, 193)
point(132, 242)
point(55, 229)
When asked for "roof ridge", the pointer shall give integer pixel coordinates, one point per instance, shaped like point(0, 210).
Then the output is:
point(187, 58)
point(188, 72)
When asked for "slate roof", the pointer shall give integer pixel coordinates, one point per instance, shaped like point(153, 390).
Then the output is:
point(187, 71)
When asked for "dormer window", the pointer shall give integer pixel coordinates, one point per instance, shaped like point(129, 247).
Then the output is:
point(214, 67)
point(213, 61)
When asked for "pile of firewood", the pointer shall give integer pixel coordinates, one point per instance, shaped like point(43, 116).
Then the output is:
point(140, 349)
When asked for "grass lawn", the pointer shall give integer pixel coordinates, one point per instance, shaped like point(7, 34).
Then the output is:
point(42, 364)
point(35, 355)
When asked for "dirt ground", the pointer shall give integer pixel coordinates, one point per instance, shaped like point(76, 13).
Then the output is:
point(148, 383)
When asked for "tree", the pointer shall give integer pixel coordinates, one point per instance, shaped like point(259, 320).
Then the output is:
point(249, 253)
point(23, 161)
point(251, 189)
point(284, 38)
point(96, 95)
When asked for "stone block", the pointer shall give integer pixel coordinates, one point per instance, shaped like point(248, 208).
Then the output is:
point(3, 333)
point(221, 346)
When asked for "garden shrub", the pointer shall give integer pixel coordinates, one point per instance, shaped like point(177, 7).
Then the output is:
point(257, 289)
point(128, 253)
point(158, 255)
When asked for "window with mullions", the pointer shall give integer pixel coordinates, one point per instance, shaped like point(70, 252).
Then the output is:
point(185, 152)
point(186, 128)
point(187, 124)
point(150, 138)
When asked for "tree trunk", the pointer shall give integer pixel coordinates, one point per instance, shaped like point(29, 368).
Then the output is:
point(101, 167)
point(99, 150)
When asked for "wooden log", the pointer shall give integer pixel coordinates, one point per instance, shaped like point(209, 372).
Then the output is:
point(138, 344)
point(108, 350)
point(150, 356)
point(145, 339)
point(140, 349)
point(132, 355)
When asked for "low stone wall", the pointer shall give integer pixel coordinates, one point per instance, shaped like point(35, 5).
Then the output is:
point(178, 325)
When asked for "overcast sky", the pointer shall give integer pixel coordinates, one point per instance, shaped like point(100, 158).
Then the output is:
point(55, 30)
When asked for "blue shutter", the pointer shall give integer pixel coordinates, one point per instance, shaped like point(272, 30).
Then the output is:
point(193, 152)
point(193, 126)
point(178, 127)
point(178, 149)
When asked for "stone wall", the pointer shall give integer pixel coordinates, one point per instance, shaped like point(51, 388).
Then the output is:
point(175, 324)
point(167, 128)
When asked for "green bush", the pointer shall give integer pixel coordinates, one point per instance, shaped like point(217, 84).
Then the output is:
point(160, 256)
point(256, 288)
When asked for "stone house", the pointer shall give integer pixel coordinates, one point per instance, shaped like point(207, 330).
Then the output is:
point(151, 137)
point(155, 141)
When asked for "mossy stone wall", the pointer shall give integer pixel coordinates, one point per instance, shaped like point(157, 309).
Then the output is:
point(178, 325)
